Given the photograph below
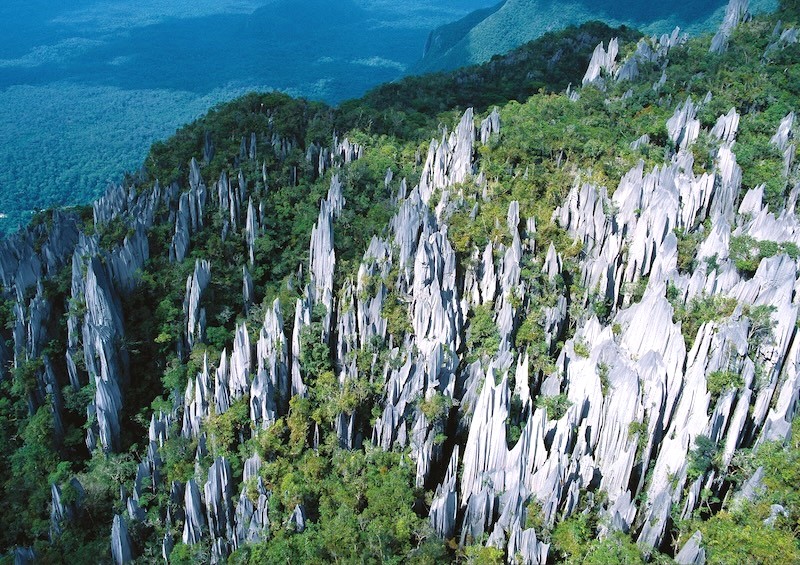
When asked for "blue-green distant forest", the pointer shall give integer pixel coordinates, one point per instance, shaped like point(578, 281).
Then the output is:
point(87, 86)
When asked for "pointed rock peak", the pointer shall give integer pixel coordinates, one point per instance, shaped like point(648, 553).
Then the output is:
point(784, 134)
point(602, 60)
point(692, 553)
point(513, 218)
point(195, 179)
point(552, 263)
point(752, 201)
point(735, 13)
point(726, 127)
point(120, 541)
point(490, 125)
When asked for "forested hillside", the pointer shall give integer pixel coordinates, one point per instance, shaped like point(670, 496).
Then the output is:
point(472, 317)
point(484, 33)
point(87, 86)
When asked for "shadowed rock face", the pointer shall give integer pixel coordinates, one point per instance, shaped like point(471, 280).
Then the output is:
point(194, 527)
point(120, 541)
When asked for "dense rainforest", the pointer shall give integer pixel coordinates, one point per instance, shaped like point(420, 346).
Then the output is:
point(543, 309)
point(86, 87)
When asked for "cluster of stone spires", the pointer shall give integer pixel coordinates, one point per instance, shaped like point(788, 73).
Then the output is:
point(632, 372)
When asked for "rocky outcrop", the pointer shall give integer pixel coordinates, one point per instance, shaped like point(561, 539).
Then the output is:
point(240, 364)
point(194, 527)
point(297, 521)
point(444, 508)
point(24, 555)
point(62, 512)
point(251, 229)
point(648, 50)
point(197, 401)
point(784, 141)
point(726, 127)
point(602, 61)
point(248, 290)
point(120, 541)
point(196, 283)
point(106, 363)
point(489, 126)
point(322, 257)
point(449, 161)
point(735, 13)
point(692, 553)
point(683, 127)
point(219, 506)
point(269, 395)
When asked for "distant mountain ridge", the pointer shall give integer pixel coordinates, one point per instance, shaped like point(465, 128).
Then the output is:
point(493, 31)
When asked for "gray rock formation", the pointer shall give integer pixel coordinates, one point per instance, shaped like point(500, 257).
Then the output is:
point(167, 546)
point(248, 291)
point(784, 141)
point(106, 363)
point(450, 161)
point(120, 541)
point(194, 527)
point(272, 359)
point(602, 61)
point(692, 553)
point(322, 262)
point(180, 241)
point(24, 556)
point(252, 520)
point(297, 521)
point(61, 512)
point(726, 126)
point(196, 403)
point(619, 411)
point(195, 315)
point(251, 230)
point(444, 508)
point(240, 364)
point(735, 13)
point(789, 36)
point(648, 50)
point(489, 126)
point(683, 127)
point(219, 500)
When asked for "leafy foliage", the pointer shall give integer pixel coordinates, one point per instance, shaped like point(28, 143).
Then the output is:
point(483, 337)
point(749, 530)
point(556, 405)
point(738, 538)
point(747, 253)
point(701, 310)
point(720, 381)
point(701, 457)
point(362, 504)
point(409, 107)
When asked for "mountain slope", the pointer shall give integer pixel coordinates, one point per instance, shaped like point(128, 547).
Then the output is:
point(564, 330)
point(150, 67)
point(478, 36)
